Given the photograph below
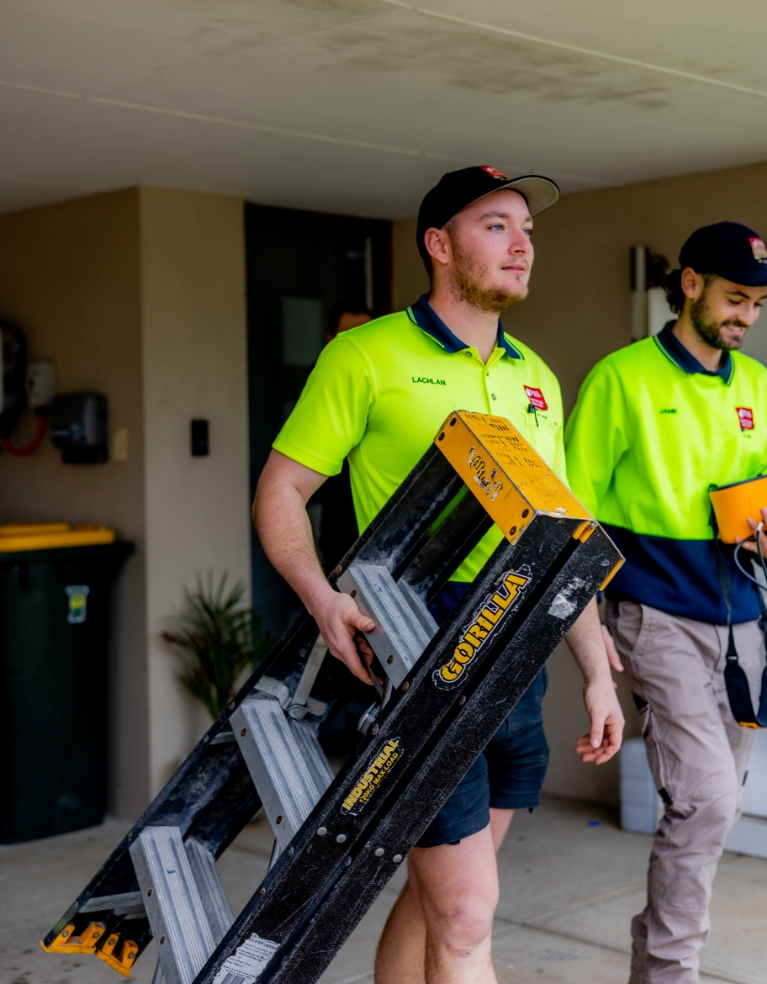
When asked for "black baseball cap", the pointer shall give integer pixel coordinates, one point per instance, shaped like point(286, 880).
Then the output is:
point(729, 250)
point(457, 189)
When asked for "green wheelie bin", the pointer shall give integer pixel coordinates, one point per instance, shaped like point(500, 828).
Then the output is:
point(54, 660)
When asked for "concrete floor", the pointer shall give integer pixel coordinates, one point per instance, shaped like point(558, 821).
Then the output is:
point(570, 881)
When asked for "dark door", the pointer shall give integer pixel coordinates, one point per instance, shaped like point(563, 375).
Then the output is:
point(299, 265)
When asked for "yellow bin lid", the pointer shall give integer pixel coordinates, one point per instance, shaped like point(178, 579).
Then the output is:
point(44, 536)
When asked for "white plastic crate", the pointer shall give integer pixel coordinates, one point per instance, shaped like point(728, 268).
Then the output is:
point(641, 807)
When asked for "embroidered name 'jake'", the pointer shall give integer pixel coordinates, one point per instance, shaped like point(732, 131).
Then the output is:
point(668, 410)
point(481, 629)
point(370, 780)
point(428, 379)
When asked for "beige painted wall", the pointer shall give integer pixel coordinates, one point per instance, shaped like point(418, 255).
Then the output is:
point(409, 279)
point(140, 295)
point(194, 365)
point(69, 277)
point(577, 312)
point(578, 309)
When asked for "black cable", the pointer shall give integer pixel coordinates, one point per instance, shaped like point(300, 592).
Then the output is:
point(759, 551)
point(745, 572)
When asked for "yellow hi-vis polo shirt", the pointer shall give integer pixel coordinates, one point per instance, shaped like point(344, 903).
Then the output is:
point(379, 394)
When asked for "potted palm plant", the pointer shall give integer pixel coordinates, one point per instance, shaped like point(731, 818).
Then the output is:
point(216, 636)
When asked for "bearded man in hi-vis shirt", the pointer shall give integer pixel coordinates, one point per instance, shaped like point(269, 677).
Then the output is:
point(379, 394)
point(657, 424)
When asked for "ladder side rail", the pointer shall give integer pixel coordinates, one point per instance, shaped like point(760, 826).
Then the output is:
point(451, 544)
point(413, 714)
point(310, 950)
point(194, 788)
point(218, 825)
point(402, 526)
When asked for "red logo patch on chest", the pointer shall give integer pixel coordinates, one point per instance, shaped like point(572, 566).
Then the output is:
point(746, 418)
point(537, 399)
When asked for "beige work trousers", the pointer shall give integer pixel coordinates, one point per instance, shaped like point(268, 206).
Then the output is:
point(698, 755)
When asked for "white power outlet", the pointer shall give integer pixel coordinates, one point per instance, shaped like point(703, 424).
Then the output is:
point(41, 382)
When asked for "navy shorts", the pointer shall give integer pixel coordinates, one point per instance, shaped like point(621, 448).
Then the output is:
point(509, 774)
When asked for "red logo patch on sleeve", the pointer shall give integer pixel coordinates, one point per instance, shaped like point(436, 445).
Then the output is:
point(746, 418)
point(537, 399)
point(494, 172)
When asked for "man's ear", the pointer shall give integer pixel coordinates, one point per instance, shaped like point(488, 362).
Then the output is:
point(438, 246)
point(692, 283)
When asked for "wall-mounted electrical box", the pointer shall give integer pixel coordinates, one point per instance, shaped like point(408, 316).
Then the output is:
point(79, 427)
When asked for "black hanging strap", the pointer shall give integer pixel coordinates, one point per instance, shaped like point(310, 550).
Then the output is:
point(735, 679)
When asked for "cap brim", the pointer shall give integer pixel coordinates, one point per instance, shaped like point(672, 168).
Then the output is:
point(540, 193)
point(745, 278)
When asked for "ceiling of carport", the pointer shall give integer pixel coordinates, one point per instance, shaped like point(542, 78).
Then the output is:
point(357, 106)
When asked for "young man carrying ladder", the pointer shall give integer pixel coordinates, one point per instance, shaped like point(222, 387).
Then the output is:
point(378, 395)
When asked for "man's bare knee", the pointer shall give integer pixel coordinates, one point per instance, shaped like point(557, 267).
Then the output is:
point(462, 924)
point(458, 890)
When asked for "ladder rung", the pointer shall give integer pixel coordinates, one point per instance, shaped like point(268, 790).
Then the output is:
point(419, 608)
point(123, 904)
point(210, 888)
point(288, 767)
point(404, 625)
point(173, 904)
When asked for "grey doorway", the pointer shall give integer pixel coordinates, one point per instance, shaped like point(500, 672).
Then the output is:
point(299, 265)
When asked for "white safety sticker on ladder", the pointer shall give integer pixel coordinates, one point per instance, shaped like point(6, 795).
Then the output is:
point(245, 965)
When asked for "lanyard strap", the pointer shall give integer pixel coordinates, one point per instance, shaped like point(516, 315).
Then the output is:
point(735, 679)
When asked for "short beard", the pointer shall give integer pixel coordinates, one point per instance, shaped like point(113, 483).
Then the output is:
point(467, 284)
point(710, 331)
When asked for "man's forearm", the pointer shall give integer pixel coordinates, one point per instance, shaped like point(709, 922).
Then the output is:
point(588, 647)
point(279, 513)
point(587, 644)
point(285, 533)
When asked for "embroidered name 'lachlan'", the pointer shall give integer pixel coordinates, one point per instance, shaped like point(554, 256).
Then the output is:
point(428, 379)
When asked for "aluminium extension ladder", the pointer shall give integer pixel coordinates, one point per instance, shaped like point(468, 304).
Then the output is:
point(441, 695)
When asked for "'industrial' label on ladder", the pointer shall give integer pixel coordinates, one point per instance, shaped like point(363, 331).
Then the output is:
point(370, 780)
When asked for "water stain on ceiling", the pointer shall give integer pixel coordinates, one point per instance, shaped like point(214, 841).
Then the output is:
point(473, 60)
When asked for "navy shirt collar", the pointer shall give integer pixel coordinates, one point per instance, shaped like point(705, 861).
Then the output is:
point(686, 360)
point(429, 321)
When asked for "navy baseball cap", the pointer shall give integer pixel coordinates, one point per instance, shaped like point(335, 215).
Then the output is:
point(729, 250)
point(457, 189)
